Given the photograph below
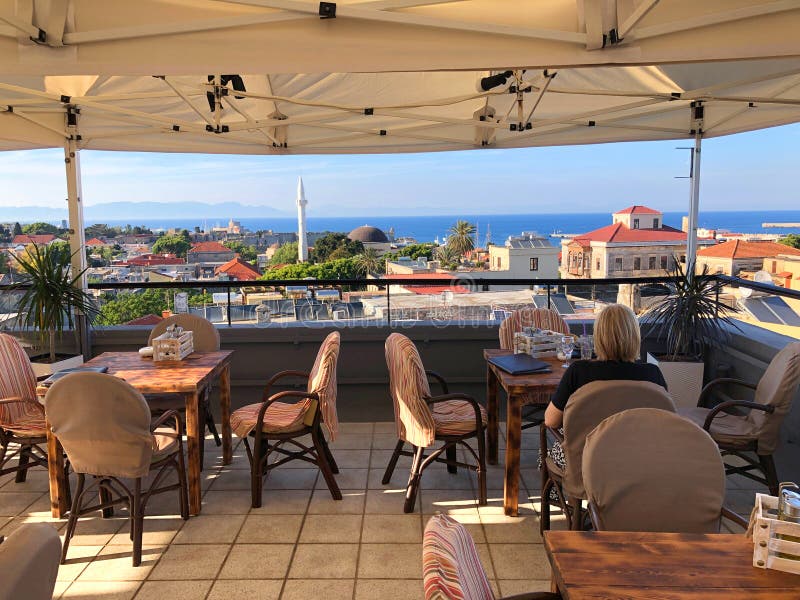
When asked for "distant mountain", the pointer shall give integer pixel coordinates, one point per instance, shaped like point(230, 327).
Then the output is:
point(115, 211)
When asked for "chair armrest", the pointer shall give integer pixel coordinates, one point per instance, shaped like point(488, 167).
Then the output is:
point(466, 398)
point(701, 401)
point(735, 517)
point(166, 416)
point(20, 400)
point(280, 375)
point(439, 379)
point(730, 404)
point(280, 396)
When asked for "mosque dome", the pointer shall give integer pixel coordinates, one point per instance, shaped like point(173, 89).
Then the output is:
point(367, 234)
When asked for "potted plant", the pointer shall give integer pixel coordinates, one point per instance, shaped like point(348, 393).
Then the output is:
point(688, 319)
point(50, 297)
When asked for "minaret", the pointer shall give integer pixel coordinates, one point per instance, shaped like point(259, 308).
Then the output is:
point(302, 242)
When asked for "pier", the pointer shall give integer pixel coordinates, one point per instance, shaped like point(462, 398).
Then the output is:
point(780, 225)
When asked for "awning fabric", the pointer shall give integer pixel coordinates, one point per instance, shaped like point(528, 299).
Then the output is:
point(390, 75)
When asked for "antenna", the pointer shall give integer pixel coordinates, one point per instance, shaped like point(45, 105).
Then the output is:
point(488, 235)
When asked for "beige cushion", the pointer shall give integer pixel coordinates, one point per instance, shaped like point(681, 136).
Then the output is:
point(592, 403)
point(650, 470)
point(777, 387)
point(455, 417)
point(725, 428)
point(29, 560)
point(204, 335)
point(165, 443)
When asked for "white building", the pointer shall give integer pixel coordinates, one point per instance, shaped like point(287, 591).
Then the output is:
point(528, 256)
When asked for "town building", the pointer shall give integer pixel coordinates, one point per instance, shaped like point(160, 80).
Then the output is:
point(735, 256)
point(42, 239)
point(785, 270)
point(209, 252)
point(526, 256)
point(371, 237)
point(237, 269)
point(636, 244)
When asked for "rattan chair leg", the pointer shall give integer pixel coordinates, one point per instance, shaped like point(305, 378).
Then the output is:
point(184, 489)
point(209, 419)
point(413, 480)
point(575, 514)
point(329, 454)
point(74, 513)
point(324, 465)
point(22, 465)
point(770, 474)
point(105, 497)
point(482, 494)
point(544, 517)
point(450, 454)
point(387, 475)
point(137, 522)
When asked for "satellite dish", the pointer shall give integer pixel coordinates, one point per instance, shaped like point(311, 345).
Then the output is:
point(762, 277)
point(745, 292)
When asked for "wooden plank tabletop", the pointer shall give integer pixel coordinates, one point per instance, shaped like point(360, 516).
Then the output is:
point(661, 566)
point(151, 377)
point(518, 384)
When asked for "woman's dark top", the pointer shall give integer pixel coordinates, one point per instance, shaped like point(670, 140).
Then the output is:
point(582, 372)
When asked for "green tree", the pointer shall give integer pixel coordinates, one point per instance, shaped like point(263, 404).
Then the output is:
point(448, 256)
point(17, 229)
point(40, 228)
point(99, 230)
point(172, 244)
point(335, 245)
point(416, 251)
point(248, 253)
point(285, 255)
point(792, 240)
point(343, 268)
point(129, 306)
point(369, 263)
point(462, 237)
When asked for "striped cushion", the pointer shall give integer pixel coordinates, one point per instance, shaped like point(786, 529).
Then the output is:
point(451, 568)
point(543, 318)
point(17, 380)
point(27, 421)
point(409, 388)
point(322, 380)
point(455, 417)
point(281, 417)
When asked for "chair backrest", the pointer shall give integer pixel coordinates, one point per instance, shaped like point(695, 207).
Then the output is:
point(29, 562)
point(204, 335)
point(451, 567)
point(543, 318)
point(102, 422)
point(17, 380)
point(651, 470)
point(409, 387)
point(592, 403)
point(322, 380)
point(777, 388)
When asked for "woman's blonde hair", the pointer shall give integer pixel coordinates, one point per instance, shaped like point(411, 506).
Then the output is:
point(616, 334)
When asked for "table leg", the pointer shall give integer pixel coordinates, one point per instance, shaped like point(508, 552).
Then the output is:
point(492, 410)
point(513, 443)
point(194, 438)
point(58, 484)
point(225, 409)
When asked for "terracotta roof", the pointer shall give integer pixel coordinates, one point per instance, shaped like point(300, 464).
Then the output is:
point(209, 247)
point(95, 242)
point(24, 238)
point(146, 260)
point(150, 319)
point(785, 274)
point(419, 276)
point(428, 290)
point(239, 269)
point(638, 209)
point(618, 232)
point(742, 249)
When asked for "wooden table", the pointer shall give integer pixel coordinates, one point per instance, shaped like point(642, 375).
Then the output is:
point(189, 378)
point(517, 388)
point(674, 566)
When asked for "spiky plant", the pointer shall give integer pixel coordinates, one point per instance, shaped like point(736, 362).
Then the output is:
point(691, 316)
point(369, 262)
point(50, 294)
point(462, 237)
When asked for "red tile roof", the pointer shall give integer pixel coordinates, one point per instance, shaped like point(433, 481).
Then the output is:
point(428, 290)
point(24, 238)
point(147, 260)
point(209, 247)
point(639, 210)
point(95, 242)
point(239, 269)
point(618, 232)
point(785, 274)
point(742, 249)
point(150, 319)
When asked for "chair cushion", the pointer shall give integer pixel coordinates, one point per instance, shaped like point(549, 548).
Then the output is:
point(725, 428)
point(163, 443)
point(555, 471)
point(281, 417)
point(455, 417)
point(28, 419)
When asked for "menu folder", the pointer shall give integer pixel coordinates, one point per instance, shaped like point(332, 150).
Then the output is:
point(520, 364)
point(58, 375)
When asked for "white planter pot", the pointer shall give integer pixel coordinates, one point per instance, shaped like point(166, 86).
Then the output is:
point(47, 369)
point(684, 380)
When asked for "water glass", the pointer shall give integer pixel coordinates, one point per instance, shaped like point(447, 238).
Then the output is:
point(586, 343)
point(567, 345)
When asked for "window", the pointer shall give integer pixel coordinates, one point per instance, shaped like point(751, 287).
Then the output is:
point(655, 223)
point(598, 264)
point(774, 266)
point(636, 223)
point(618, 263)
point(664, 260)
point(683, 258)
point(499, 263)
point(651, 263)
point(637, 263)
point(535, 264)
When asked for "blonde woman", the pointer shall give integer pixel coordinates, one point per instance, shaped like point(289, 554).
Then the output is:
point(616, 341)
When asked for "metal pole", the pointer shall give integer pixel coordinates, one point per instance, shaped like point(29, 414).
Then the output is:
point(388, 307)
point(694, 207)
point(228, 289)
point(77, 239)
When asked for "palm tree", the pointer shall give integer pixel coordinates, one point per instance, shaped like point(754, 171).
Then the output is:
point(448, 256)
point(369, 262)
point(462, 237)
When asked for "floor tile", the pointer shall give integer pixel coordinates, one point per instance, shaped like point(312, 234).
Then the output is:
point(390, 561)
point(324, 561)
point(251, 561)
point(380, 459)
point(352, 441)
point(356, 428)
point(520, 561)
point(385, 427)
point(384, 441)
point(346, 479)
point(270, 529)
point(231, 479)
point(352, 502)
point(330, 589)
point(449, 502)
point(283, 502)
point(501, 529)
point(195, 561)
point(351, 459)
point(105, 590)
point(251, 589)
point(392, 528)
point(331, 529)
point(386, 502)
point(185, 590)
point(398, 481)
point(114, 563)
point(13, 503)
point(96, 531)
point(226, 503)
point(512, 587)
point(290, 479)
point(207, 529)
point(78, 559)
point(396, 589)
point(158, 531)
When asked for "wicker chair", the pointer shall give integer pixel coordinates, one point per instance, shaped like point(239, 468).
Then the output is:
point(585, 409)
point(273, 422)
point(756, 433)
point(422, 419)
point(22, 419)
point(650, 470)
point(451, 568)
point(105, 427)
point(543, 318)
point(206, 339)
point(29, 562)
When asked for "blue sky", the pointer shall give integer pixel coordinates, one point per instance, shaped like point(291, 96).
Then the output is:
point(747, 171)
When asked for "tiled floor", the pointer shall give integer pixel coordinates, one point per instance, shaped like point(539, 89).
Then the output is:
point(300, 543)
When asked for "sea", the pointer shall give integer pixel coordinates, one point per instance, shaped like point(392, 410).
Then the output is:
point(495, 228)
